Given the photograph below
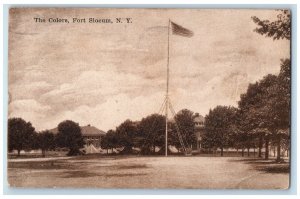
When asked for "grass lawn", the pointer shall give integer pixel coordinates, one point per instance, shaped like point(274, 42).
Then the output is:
point(96, 171)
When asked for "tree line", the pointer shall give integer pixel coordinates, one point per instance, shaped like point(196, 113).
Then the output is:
point(145, 134)
point(149, 133)
point(262, 118)
point(22, 136)
point(264, 111)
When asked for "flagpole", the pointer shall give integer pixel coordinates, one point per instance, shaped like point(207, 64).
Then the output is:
point(167, 91)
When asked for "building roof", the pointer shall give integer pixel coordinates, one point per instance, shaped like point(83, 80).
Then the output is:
point(91, 130)
point(87, 130)
point(199, 118)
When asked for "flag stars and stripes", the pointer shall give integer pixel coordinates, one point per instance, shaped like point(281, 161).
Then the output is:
point(179, 30)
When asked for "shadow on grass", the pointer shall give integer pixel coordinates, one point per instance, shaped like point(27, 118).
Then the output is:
point(104, 157)
point(274, 168)
point(40, 165)
point(27, 156)
point(69, 165)
point(136, 166)
point(124, 175)
point(123, 167)
point(268, 166)
point(255, 161)
point(85, 174)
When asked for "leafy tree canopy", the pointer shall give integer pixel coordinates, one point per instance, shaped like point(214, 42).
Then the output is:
point(279, 29)
point(20, 134)
point(152, 129)
point(69, 135)
point(46, 141)
point(220, 126)
point(126, 132)
point(185, 121)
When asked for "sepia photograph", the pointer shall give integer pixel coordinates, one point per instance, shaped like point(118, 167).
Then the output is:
point(143, 98)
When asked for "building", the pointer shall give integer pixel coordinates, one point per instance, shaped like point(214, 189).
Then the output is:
point(199, 129)
point(90, 134)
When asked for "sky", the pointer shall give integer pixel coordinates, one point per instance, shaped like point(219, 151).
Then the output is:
point(104, 73)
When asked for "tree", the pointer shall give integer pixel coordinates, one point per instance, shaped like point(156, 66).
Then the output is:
point(35, 141)
point(284, 93)
point(185, 122)
point(69, 135)
point(254, 115)
point(279, 103)
point(110, 140)
point(279, 29)
point(152, 132)
point(274, 106)
point(265, 108)
point(46, 141)
point(220, 127)
point(126, 133)
point(20, 134)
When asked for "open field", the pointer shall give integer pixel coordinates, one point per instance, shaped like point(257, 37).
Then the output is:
point(95, 171)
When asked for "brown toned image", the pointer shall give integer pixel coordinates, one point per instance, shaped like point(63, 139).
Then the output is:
point(149, 98)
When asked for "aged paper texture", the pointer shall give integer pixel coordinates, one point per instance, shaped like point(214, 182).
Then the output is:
point(149, 98)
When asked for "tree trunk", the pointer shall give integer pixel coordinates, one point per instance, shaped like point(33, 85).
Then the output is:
point(267, 148)
point(260, 146)
point(274, 150)
point(44, 152)
point(221, 151)
point(248, 151)
point(107, 151)
point(283, 154)
point(278, 147)
point(243, 152)
point(254, 151)
point(19, 152)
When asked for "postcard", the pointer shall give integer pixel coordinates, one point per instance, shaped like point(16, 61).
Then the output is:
point(149, 98)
